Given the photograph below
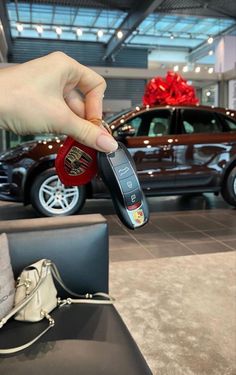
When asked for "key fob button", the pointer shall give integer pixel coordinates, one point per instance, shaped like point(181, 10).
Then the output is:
point(133, 197)
point(118, 158)
point(124, 171)
point(129, 184)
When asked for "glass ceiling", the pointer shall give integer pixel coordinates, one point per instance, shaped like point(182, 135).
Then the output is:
point(156, 30)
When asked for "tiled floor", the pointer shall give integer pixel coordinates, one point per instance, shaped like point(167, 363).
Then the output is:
point(178, 226)
point(175, 233)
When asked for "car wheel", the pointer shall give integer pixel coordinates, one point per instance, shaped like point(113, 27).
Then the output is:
point(229, 188)
point(50, 197)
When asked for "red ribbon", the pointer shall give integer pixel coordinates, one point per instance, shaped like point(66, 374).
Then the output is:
point(172, 90)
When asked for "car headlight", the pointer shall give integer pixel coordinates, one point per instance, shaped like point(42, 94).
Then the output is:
point(16, 152)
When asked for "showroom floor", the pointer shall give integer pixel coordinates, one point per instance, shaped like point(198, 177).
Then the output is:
point(178, 226)
point(173, 281)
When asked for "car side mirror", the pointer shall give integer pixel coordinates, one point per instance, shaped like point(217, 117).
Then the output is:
point(126, 130)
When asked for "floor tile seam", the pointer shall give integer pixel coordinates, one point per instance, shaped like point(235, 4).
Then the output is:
point(200, 230)
point(221, 242)
point(171, 235)
point(215, 239)
point(138, 242)
point(189, 225)
point(217, 222)
point(190, 212)
point(212, 241)
point(176, 240)
point(191, 228)
point(123, 248)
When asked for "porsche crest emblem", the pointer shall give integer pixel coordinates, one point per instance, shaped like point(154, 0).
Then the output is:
point(138, 216)
point(77, 161)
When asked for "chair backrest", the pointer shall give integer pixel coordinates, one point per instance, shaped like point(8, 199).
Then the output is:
point(80, 252)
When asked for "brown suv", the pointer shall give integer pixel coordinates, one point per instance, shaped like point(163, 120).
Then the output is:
point(182, 149)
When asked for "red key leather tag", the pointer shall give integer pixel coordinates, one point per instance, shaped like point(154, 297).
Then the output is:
point(76, 164)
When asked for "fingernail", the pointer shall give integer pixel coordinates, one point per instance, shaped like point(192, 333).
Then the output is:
point(106, 143)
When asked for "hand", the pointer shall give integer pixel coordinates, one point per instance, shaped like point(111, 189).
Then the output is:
point(41, 96)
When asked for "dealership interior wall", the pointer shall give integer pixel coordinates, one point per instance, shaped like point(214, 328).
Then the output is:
point(174, 279)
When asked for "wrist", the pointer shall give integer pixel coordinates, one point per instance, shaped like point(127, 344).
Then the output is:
point(5, 100)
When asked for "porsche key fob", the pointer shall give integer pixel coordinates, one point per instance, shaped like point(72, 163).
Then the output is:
point(118, 172)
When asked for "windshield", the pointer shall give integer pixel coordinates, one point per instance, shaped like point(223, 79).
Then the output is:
point(112, 118)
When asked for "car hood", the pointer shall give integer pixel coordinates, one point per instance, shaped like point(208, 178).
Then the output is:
point(26, 147)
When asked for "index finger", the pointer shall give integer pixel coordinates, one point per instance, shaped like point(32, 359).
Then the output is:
point(92, 86)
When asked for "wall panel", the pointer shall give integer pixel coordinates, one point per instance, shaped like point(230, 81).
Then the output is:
point(88, 53)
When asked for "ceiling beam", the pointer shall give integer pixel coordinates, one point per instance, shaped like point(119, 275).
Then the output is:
point(220, 10)
point(202, 50)
point(130, 23)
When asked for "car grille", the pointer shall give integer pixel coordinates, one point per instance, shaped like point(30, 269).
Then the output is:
point(3, 176)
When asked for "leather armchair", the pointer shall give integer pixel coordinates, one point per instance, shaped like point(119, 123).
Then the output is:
point(86, 339)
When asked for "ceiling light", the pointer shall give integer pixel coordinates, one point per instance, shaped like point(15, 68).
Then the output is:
point(197, 69)
point(119, 34)
point(185, 68)
point(210, 70)
point(208, 93)
point(176, 68)
point(39, 29)
point(210, 53)
point(79, 32)
point(20, 27)
point(58, 30)
point(100, 33)
point(210, 40)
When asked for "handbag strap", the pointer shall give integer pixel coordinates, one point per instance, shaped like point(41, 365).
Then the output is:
point(43, 274)
point(102, 298)
point(83, 298)
point(27, 344)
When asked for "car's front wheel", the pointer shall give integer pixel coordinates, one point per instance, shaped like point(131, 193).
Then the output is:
point(50, 197)
point(229, 188)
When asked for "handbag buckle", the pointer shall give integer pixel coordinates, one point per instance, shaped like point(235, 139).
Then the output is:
point(44, 314)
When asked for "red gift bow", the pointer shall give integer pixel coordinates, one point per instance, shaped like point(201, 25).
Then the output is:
point(172, 90)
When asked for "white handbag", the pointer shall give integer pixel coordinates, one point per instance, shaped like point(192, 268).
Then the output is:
point(7, 282)
point(36, 296)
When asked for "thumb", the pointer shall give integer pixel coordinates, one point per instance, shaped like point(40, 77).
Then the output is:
point(89, 134)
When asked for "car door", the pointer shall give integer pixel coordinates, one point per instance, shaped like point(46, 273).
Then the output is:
point(201, 150)
point(152, 148)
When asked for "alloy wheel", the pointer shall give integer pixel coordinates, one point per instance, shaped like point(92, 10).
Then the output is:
point(57, 198)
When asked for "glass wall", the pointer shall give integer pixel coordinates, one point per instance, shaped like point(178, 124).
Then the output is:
point(210, 95)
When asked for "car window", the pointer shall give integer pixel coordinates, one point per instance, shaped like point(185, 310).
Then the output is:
point(151, 123)
point(188, 127)
point(197, 121)
point(231, 124)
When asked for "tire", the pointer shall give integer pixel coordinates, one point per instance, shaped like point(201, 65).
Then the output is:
point(229, 188)
point(50, 197)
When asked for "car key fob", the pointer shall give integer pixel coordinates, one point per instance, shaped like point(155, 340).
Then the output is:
point(118, 172)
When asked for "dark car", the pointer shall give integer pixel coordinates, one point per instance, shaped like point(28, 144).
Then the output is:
point(177, 150)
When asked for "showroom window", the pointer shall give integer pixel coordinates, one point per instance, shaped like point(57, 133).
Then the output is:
point(195, 122)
